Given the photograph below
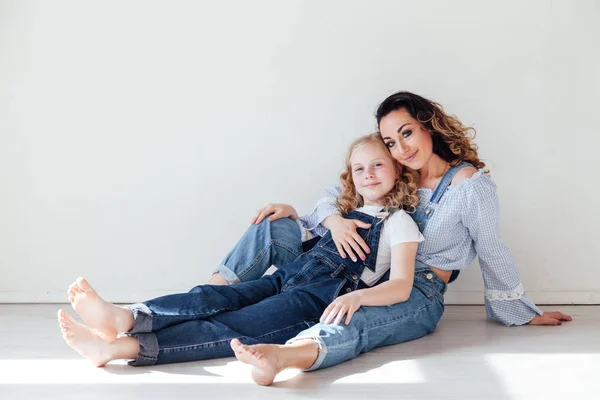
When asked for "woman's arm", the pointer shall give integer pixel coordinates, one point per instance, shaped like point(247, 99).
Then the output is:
point(505, 297)
point(343, 231)
point(346, 238)
point(324, 208)
point(324, 217)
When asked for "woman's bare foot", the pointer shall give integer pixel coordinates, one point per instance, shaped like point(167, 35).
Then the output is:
point(106, 319)
point(83, 340)
point(264, 358)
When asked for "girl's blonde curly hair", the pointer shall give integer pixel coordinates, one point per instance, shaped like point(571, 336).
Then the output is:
point(402, 196)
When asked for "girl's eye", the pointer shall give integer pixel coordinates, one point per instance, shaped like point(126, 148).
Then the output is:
point(358, 169)
point(378, 164)
point(406, 133)
point(390, 144)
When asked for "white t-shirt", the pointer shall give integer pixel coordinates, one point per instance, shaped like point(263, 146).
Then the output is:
point(397, 228)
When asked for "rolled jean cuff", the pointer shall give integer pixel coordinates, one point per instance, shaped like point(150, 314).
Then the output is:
point(142, 318)
point(322, 351)
point(227, 274)
point(148, 354)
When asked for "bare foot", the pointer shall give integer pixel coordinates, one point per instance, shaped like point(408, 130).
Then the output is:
point(264, 358)
point(106, 319)
point(218, 280)
point(83, 340)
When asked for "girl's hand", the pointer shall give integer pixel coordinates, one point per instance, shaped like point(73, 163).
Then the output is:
point(278, 211)
point(550, 318)
point(345, 237)
point(343, 305)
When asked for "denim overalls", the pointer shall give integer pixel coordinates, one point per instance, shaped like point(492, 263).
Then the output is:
point(422, 214)
point(200, 324)
point(373, 327)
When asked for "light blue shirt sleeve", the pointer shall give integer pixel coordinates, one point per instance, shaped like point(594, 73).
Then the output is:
point(505, 299)
point(324, 208)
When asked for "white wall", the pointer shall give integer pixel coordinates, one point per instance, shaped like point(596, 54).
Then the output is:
point(137, 138)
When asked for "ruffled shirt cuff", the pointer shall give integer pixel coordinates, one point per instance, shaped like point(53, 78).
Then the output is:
point(510, 307)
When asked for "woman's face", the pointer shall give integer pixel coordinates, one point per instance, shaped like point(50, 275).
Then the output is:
point(406, 138)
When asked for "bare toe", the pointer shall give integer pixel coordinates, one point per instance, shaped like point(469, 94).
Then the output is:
point(62, 317)
point(236, 345)
point(83, 340)
point(84, 285)
point(261, 357)
point(105, 318)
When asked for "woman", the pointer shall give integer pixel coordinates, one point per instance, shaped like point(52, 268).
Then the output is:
point(458, 215)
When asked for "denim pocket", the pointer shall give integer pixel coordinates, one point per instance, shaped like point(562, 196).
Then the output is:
point(307, 272)
point(327, 243)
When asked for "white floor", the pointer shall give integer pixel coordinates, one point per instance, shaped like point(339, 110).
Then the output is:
point(466, 358)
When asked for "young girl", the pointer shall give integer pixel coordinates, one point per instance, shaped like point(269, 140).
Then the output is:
point(319, 284)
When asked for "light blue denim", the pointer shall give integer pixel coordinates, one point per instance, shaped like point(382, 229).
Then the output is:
point(263, 245)
point(373, 327)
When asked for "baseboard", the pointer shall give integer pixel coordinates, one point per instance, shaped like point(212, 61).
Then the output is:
point(475, 297)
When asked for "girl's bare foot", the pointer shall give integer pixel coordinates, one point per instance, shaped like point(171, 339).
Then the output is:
point(106, 319)
point(264, 358)
point(217, 279)
point(83, 340)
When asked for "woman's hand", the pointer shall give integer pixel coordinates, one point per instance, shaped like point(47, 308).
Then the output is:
point(343, 305)
point(550, 318)
point(277, 211)
point(347, 240)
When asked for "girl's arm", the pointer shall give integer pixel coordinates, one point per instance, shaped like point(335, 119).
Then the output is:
point(403, 236)
point(402, 274)
point(275, 211)
point(396, 290)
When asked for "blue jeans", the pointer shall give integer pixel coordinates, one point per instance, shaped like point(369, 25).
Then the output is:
point(200, 324)
point(370, 327)
point(269, 243)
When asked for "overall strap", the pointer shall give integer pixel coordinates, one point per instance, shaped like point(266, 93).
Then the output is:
point(446, 180)
point(371, 238)
point(439, 192)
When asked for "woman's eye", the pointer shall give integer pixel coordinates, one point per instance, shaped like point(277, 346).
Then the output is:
point(406, 133)
point(378, 164)
point(358, 169)
point(390, 144)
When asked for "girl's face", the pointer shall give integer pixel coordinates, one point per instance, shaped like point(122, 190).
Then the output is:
point(373, 173)
point(406, 138)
